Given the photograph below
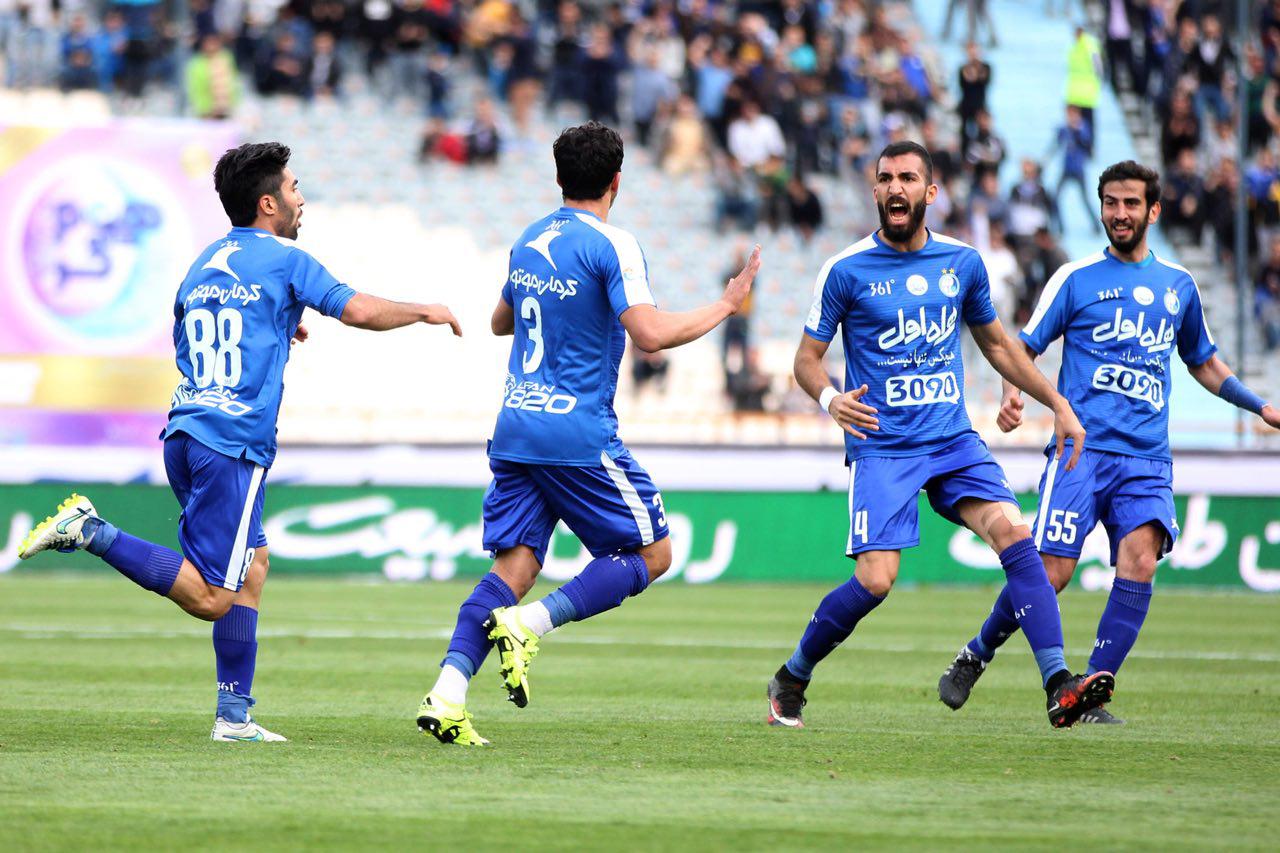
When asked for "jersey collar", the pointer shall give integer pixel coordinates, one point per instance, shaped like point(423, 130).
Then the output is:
point(245, 229)
point(577, 211)
point(1138, 265)
point(928, 240)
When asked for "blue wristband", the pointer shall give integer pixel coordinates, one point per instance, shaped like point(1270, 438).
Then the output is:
point(1235, 393)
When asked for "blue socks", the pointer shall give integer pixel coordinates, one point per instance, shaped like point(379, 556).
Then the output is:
point(1000, 626)
point(832, 623)
point(560, 607)
point(1121, 620)
point(152, 567)
point(470, 641)
point(604, 584)
point(1034, 605)
point(98, 535)
point(235, 645)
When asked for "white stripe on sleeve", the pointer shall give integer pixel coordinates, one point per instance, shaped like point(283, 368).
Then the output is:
point(635, 279)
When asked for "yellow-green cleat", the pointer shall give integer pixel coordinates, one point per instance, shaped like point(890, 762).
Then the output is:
point(60, 531)
point(517, 647)
point(447, 722)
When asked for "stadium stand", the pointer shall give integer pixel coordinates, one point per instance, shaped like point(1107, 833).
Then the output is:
point(422, 130)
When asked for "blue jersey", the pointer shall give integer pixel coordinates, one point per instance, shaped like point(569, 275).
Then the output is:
point(1119, 323)
point(570, 278)
point(899, 315)
point(235, 313)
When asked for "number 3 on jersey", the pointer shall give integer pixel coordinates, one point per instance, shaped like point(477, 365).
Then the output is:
point(529, 310)
point(214, 345)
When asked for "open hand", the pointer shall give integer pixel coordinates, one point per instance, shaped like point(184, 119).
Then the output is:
point(850, 412)
point(735, 292)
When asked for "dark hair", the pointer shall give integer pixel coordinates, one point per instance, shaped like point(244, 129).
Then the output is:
point(1128, 170)
point(587, 158)
point(245, 174)
point(906, 146)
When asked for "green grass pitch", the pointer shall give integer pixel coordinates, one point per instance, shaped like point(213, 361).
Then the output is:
point(645, 729)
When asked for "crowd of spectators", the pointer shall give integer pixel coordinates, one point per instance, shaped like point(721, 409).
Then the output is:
point(761, 95)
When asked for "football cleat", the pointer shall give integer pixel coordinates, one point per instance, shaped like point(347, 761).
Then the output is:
point(447, 722)
point(517, 647)
point(61, 531)
point(1078, 695)
point(786, 698)
point(1100, 716)
point(246, 732)
point(958, 680)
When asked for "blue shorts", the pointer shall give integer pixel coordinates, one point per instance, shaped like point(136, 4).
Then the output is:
point(612, 507)
point(221, 500)
point(883, 489)
point(1123, 492)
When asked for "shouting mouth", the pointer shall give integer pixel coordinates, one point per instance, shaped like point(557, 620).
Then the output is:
point(898, 211)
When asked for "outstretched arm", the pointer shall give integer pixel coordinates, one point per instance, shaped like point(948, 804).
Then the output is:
point(654, 330)
point(365, 311)
point(1217, 378)
point(1011, 362)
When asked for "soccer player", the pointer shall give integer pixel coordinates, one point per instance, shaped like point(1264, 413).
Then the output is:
point(1120, 312)
point(576, 288)
point(898, 296)
point(235, 315)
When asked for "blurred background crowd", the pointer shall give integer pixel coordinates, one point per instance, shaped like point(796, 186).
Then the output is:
point(775, 108)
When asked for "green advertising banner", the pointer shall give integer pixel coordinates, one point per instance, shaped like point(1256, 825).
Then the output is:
point(419, 533)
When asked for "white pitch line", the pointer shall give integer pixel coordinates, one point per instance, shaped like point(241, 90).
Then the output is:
point(45, 632)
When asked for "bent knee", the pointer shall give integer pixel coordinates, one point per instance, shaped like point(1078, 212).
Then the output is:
point(1058, 577)
point(657, 558)
point(878, 584)
point(211, 607)
point(1141, 569)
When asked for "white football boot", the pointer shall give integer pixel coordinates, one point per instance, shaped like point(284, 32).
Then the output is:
point(243, 732)
point(60, 531)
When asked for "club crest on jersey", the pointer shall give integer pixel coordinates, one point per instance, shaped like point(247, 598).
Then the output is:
point(542, 245)
point(949, 284)
point(909, 331)
point(1122, 329)
point(221, 258)
point(917, 285)
point(1143, 295)
point(1171, 302)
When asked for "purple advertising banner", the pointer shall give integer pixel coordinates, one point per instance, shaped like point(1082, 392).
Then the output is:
point(98, 226)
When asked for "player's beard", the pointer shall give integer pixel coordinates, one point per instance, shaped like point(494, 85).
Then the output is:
point(1138, 230)
point(906, 232)
point(293, 218)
